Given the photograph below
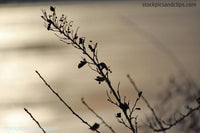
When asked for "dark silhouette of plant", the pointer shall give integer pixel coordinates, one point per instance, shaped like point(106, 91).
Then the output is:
point(98, 116)
point(70, 36)
point(89, 49)
point(35, 120)
point(181, 92)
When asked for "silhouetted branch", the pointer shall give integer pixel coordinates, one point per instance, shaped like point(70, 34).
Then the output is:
point(35, 120)
point(110, 99)
point(134, 107)
point(147, 103)
point(176, 121)
point(121, 120)
point(159, 125)
point(98, 116)
point(136, 124)
point(60, 98)
point(64, 27)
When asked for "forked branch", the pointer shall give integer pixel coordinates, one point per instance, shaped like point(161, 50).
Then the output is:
point(159, 125)
point(67, 105)
point(70, 36)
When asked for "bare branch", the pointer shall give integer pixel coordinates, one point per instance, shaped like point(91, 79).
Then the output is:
point(147, 103)
point(65, 28)
point(176, 121)
point(98, 116)
point(35, 120)
point(121, 120)
point(134, 106)
point(60, 98)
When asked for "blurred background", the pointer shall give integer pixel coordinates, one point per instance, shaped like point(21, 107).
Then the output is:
point(151, 44)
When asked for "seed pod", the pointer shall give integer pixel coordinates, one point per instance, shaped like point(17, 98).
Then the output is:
point(52, 8)
point(82, 63)
point(102, 65)
point(124, 106)
point(81, 40)
point(95, 127)
point(118, 115)
point(137, 108)
point(91, 49)
point(99, 79)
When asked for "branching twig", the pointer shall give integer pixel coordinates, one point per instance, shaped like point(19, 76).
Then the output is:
point(121, 120)
point(162, 125)
point(98, 116)
point(176, 121)
point(35, 120)
point(64, 27)
point(60, 98)
point(134, 106)
point(147, 103)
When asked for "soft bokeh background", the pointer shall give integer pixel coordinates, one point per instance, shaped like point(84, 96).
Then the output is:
point(132, 39)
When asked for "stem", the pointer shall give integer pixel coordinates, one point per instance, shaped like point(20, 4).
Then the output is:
point(60, 98)
point(35, 120)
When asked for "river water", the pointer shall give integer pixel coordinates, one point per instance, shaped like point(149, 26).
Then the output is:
point(132, 39)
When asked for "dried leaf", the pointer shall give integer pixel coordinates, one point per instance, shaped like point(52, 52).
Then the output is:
point(52, 8)
point(118, 115)
point(137, 108)
point(91, 49)
point(124, 106)
point(95, 127)
point(102, 65)
point(100, 79)
point(81, 40)
point(75, 36)
point(82, 63)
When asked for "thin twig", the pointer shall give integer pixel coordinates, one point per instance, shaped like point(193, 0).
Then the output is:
point(65, 28)
point(59, 97)
point(170, 125)
point(147, 103)
point(121, 120)
point(98, 116)
point(132, 110)
point(136, 123)
point(35, 120)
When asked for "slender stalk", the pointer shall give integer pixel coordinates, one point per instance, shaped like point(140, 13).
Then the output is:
point(100, 72)
point(98, 116)
point(64, 27)
point(35, 120)
point(147, 103)
point(60, 98)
